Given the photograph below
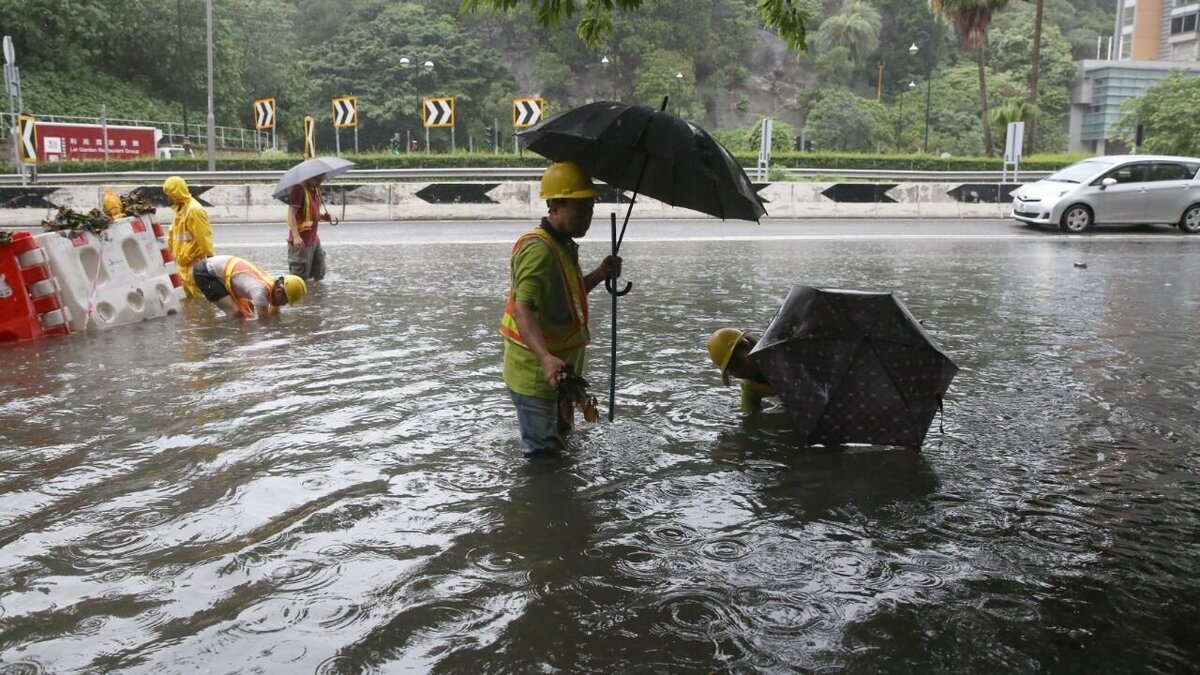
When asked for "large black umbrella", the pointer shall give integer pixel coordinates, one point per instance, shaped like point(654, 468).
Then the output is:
point(853, 367)
point(651, 152)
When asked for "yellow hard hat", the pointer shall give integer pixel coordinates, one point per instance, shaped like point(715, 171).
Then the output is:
point(720, 348)
point(565, 180)
point(112, 204)
point(294, 288)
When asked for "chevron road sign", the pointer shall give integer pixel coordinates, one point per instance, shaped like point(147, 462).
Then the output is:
point(345, 112)
point(310, 143)
point(27, 139)
point(264, 114)
point(438, 112)
point(527, 112)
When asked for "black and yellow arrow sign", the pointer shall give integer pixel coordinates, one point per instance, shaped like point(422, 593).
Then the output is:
point(27, 138)
point(527, 112)
point(438, 112)
point(345, 112)
point(264, 114)
point(310, 141)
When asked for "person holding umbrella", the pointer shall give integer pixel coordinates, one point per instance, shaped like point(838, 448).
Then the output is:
point(306, 258)
point(545, 323)
point(300, 187)
point(729, 348)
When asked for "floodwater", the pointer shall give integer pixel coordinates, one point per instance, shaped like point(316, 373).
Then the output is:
point(339, 490)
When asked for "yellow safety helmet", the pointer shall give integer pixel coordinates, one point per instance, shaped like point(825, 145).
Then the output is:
point(112, 204)
point(294, 288)
point(720, 348)
point(565, 180)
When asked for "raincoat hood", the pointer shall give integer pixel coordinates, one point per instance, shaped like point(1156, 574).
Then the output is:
point(176, 190)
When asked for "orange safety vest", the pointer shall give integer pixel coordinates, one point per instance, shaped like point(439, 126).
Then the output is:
point(576, 293)
point(307, 217)
point(235, 266)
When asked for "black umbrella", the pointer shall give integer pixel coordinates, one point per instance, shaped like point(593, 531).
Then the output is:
point(651, 152)
point(853, 367)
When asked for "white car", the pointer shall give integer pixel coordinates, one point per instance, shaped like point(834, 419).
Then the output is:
point(1124, 189)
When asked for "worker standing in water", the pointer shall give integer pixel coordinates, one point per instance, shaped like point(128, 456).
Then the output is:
point(242, 289)
point(545, 322)
point(306, 258)
point(190, 235)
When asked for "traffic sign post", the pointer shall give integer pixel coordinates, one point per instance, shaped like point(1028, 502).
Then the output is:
point(310, 141)
point(345, 114)
point(438, 113)
point(264, 117)
point(1012, 149)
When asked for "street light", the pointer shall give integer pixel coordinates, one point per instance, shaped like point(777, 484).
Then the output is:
point(679, 83)
point(924, 37)
point(604, 63)
point(427, 66)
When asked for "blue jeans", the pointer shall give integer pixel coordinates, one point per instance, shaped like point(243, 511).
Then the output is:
point(541, 429)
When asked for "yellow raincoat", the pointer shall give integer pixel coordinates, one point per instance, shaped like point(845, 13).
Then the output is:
point(190, 235)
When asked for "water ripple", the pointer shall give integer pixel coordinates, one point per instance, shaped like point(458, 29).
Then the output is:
point(272, 615)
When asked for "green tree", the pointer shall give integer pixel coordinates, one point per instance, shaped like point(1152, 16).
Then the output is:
point(840, 120)
point(1009, 47)
point(389, 95)
point(658, 78)
point(1167, 112)
point(855, 27)
point(788, 18)
point(971, 19)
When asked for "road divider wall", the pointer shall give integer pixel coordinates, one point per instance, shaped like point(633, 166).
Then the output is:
point(373, 202)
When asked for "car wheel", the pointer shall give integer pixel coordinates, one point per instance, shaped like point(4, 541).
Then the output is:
point(1190, 222)
point(1076, 219)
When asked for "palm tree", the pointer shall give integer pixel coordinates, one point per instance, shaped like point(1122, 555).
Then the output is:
point(1012, 111)
point(971, 19)
point(855, 27)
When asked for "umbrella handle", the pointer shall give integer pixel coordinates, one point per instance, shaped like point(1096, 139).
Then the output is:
point(610, 285)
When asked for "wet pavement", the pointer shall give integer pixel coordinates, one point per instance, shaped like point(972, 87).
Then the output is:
point(340, 490)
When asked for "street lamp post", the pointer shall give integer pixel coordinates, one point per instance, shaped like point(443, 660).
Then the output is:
point(604, 64)
point(426, 66)
point(900, 119)
point(924, 38)
point(679, 87)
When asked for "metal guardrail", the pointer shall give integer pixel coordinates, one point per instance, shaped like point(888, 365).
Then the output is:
point(459, 173)
point(172, 132)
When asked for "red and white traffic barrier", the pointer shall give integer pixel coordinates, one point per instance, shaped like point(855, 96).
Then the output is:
point(30, 304)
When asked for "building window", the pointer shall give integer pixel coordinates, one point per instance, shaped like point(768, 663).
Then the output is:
point(1127, 19)
point(1184, 51)
point(1126, 47)
point(1183, 24)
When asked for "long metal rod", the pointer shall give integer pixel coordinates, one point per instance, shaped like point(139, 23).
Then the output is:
point(612, 373)
point(212, 119)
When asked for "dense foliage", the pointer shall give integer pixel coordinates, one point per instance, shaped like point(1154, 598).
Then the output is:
point(145, 59)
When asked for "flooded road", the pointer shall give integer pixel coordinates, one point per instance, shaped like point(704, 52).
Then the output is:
point(340, 491)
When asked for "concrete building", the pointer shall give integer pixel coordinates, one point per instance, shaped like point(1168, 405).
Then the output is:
point(1153, 38)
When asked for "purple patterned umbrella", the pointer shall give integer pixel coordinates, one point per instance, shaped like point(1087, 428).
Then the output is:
point(853, 367)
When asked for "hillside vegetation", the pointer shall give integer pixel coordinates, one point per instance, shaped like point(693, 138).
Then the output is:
point(858, 87)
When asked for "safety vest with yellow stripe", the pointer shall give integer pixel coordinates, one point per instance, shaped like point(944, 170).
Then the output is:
point(235, 266)
point(307, 215)
point(574, 290)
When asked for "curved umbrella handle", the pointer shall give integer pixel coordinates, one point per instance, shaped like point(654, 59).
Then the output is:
point(610, 285)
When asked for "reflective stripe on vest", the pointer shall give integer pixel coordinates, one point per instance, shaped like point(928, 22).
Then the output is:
point(306, 215)
point(574, 288)
point(235, 266)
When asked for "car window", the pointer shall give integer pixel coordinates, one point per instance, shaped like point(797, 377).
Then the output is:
point(1130, 173)
point(1169, 171)
point(1193, 170)
point(1077, 173)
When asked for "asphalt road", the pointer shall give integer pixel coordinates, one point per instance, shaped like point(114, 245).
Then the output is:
point(494, 231)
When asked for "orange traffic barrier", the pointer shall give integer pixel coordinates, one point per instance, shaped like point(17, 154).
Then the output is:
point(30, 306)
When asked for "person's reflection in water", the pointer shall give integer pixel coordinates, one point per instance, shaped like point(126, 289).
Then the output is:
point(547, 530)
point(818, 479)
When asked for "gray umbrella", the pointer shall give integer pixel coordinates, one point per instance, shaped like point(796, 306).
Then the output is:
point(310, 168)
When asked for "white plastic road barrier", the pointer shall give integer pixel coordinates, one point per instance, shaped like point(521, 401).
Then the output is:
point(111, 279)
